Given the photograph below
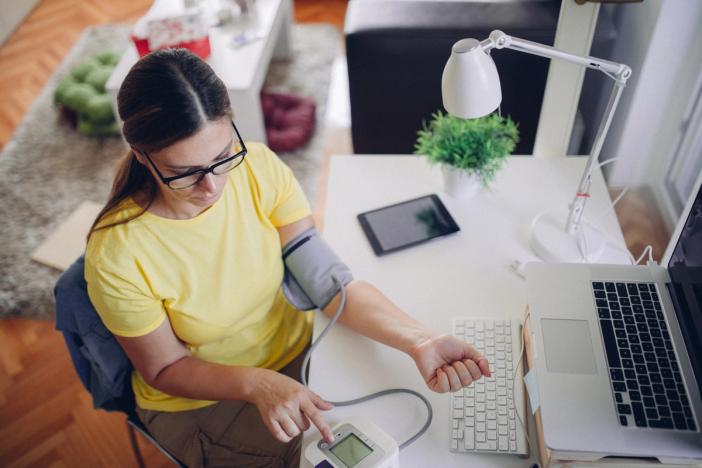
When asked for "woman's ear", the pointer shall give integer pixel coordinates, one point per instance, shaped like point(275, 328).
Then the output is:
point(139, 157)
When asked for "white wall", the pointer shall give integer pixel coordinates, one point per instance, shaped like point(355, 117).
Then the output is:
point(12, 12)
point(657, 39)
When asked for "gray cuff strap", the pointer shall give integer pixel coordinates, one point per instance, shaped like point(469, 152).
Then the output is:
point(309, 266)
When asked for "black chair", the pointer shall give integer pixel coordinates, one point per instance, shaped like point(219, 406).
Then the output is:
point(99, 360)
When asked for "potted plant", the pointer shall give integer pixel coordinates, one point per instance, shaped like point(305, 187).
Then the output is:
point(470, 151)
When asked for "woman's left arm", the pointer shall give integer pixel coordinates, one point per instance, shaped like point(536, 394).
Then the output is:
point(445, 362)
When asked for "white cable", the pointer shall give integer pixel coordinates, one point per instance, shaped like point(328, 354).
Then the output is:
point(602, 213)
point(648, 249)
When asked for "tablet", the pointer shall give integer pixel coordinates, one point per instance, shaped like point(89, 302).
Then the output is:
point(405, 224)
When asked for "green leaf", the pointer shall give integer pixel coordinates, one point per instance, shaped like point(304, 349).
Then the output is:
point(476, 145)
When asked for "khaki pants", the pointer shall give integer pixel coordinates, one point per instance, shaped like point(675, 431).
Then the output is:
point(228, 433)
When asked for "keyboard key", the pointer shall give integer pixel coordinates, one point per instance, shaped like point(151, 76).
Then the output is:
point(624, 409)
point(469, 438)
point(610, 343)
point(623, 421)
point(639, 416)
point(679, 421)
point(609, 287)
point(621, 289)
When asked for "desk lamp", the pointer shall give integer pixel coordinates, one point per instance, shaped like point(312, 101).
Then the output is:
point(470, 87)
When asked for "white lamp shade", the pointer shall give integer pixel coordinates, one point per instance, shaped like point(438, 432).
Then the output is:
point(470, 85)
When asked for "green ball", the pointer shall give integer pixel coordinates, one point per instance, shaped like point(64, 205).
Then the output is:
point(80, 71)
point(107, 58)
point(63, 86)
point(98, 76)
point(89, 128)
point(99, 109)
point(77, 95)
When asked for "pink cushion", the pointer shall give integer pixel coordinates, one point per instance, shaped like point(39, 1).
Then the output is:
point(289, 120)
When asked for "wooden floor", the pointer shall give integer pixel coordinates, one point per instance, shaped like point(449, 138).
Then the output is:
point(46, 418)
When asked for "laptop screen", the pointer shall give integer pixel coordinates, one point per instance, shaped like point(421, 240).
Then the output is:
point(685, 269)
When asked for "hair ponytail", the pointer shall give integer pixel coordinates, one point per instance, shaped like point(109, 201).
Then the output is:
point(131, 177)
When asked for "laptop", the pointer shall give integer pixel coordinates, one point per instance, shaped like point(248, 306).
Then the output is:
point(619, 352)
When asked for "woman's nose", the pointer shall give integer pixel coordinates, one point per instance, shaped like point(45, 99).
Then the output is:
point(208, 183)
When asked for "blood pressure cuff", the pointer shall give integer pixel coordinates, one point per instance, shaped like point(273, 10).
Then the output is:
point(309, 266)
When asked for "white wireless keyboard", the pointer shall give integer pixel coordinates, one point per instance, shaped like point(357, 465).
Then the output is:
point(483, 417)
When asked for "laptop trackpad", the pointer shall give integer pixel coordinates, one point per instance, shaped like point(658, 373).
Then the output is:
point(568, 346)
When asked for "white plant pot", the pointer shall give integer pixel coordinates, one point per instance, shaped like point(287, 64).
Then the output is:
point(459, 183)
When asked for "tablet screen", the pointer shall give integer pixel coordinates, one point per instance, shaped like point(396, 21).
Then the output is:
point(405, 224)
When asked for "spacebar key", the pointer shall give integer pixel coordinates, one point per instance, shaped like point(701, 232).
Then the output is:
point(610, 343)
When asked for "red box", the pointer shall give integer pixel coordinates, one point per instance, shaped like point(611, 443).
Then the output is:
point(200, 47)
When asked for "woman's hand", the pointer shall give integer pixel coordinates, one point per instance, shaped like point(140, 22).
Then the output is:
point(287, 407)
point(448, 364)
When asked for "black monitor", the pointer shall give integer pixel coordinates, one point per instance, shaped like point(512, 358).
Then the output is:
point(685, 270)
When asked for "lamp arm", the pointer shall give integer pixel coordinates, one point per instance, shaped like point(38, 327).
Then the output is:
point(499, 40)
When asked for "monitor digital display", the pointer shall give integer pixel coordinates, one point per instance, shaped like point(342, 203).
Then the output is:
point(351, 450)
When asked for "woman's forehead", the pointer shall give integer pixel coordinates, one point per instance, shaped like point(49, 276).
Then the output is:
point(201, 147)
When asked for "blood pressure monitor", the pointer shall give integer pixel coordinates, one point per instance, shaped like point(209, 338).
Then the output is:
point(358, 443)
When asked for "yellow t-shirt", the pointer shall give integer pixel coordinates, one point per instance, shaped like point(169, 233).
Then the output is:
point(215, 277)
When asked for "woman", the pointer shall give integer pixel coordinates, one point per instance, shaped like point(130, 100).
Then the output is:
point(184, 266)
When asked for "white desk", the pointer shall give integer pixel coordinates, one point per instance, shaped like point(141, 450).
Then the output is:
point(465, 274)
point(242, 69)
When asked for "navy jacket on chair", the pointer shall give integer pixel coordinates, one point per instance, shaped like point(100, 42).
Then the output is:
point(99, 360)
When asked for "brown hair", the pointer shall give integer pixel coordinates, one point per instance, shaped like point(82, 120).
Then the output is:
point(166, 97)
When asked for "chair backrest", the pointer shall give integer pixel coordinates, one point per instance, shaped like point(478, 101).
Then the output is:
point(99, 360)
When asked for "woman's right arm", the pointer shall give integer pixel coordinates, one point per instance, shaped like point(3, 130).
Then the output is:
point(286, 406)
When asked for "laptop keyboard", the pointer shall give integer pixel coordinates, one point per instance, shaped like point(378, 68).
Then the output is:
point(647, 386)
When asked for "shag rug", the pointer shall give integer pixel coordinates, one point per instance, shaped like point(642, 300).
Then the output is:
point(47, 169)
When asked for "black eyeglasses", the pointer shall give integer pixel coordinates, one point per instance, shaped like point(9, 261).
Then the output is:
point(187, 180)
